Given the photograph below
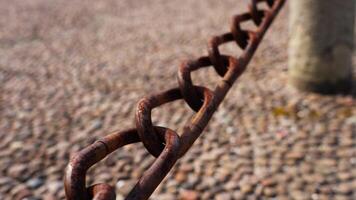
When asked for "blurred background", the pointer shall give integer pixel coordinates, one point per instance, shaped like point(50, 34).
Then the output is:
point(72, 72)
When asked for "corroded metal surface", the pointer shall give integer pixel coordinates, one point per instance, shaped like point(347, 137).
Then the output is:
point(164, 143)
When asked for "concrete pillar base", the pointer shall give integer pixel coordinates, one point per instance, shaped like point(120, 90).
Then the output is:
point(342, 86)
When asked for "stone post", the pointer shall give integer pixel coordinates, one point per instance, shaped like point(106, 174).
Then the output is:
point(321, 45)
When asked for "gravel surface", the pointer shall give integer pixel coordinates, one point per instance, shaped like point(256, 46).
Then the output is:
point(72, 72)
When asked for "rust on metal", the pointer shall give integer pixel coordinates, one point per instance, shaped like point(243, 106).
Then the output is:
point(164, 143)
point(74, 180)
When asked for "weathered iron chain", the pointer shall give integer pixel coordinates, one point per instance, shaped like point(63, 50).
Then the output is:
point(164, 143)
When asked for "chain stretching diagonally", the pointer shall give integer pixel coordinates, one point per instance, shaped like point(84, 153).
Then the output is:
point(164, 143)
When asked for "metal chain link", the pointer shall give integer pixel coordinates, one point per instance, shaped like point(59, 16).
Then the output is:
point(164, 143)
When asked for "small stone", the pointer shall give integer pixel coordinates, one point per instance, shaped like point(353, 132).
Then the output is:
point(96, 125)
point(222, 175)
point(49, 197)
point(171, 186)
point(34, 183)
point(16, 145)
point(295, 155)
point(269, 192)
point(189, 195)
point(344, 176)
point(119, 197)
point(326, 190)
point(206, 195)
point(238, 195)
point(136, 173)
point(23, 194)
point(231, 185)
point(246, 188)
point(344, 188)
point(296, 185)
point(341, 197)
point(313, 178)
point(223, 196)
point(353, 183)
point(167, 196)
point(298, 194)
point(6, 181)
point(306, 168)
point(17, 170)
point(55, 186)
point(18, 188)
point(209, 182)
point(209, 170)
point(261, 161)
point(281, 189)
point(328, 162)
point(193, 180)
point(125, 186)
point(104, 177)
point(345, 152)
point(268, 182)
point(186, 168)
point(180, 177)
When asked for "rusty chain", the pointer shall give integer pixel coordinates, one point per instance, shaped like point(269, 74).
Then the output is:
point(164, 143)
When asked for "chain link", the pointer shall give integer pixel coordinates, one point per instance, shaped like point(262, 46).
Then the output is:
point(164, 143)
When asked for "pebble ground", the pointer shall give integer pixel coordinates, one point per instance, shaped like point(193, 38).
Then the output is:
point(72, 72)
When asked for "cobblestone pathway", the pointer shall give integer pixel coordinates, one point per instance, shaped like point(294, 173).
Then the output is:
point(72, 72)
